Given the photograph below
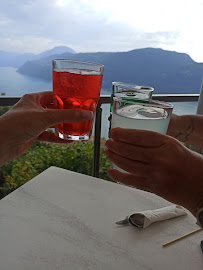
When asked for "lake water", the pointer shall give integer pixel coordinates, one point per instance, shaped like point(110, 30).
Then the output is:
point(16, 84)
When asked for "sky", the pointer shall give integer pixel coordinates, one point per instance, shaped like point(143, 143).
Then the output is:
point(102, 25)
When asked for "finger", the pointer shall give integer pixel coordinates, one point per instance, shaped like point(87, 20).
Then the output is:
point(54, 116)
point(132, 152)
point(138, 137)
point(42, 98)
point(130, 180)
point(135, 167)
point(50, 137)
point(45, 98)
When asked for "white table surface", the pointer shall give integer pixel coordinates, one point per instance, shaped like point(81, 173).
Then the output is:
point(65, 220)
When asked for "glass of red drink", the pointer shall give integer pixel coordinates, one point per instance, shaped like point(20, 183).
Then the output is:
point(76, 86)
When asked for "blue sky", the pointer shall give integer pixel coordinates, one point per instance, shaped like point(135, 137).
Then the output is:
point(107, 25)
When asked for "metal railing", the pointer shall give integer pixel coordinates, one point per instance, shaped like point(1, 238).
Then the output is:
point(10, 101)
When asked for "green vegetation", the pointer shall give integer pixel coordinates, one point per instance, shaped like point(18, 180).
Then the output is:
point(76, 157)
point(4, 109)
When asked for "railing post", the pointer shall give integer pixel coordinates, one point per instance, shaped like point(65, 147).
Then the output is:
point(97, 138)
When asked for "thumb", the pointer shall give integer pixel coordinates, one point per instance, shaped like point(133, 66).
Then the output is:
point(55, 116)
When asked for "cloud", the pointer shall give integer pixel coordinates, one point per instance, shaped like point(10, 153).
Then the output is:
point(94, 25)
point(27, 44)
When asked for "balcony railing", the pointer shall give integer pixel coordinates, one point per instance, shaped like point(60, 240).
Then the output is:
point(9, 101)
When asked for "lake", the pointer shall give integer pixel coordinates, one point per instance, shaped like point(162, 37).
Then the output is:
point(16, 84)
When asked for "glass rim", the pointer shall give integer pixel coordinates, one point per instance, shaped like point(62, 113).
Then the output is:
point(133, 86)
point(152, 103)
point(77, 61)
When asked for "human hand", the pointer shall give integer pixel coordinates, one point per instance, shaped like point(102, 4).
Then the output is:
point(27, 121)
point(157, 163)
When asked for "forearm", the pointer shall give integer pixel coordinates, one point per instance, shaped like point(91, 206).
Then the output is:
point(187, 129)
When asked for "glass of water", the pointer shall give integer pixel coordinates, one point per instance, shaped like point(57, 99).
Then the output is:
point(131, 92)
point(153, 116)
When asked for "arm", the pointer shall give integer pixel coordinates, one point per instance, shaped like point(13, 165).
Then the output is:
point(187, 129)
point(27, 121)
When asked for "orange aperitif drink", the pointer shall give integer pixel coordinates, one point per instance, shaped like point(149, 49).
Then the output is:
point(76, 87)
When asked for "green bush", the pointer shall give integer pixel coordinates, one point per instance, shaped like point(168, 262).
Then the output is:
point(4, 109)
point(76, 157)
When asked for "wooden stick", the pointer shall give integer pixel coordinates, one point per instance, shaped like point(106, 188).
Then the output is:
point(181, 237)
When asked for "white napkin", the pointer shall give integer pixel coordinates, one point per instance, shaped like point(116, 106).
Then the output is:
point(145, 218)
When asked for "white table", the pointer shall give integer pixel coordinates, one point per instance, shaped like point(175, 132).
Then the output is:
point(65, 220)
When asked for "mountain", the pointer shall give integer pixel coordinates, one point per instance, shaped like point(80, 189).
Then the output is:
point(12, 59)
point(166, 71)
point(56, 50)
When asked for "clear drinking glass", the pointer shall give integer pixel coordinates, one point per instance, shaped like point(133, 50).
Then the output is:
point(153, 116)
point(131, 92)
point(76, 86)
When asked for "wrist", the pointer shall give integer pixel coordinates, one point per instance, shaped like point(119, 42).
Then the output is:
point(181, 127)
